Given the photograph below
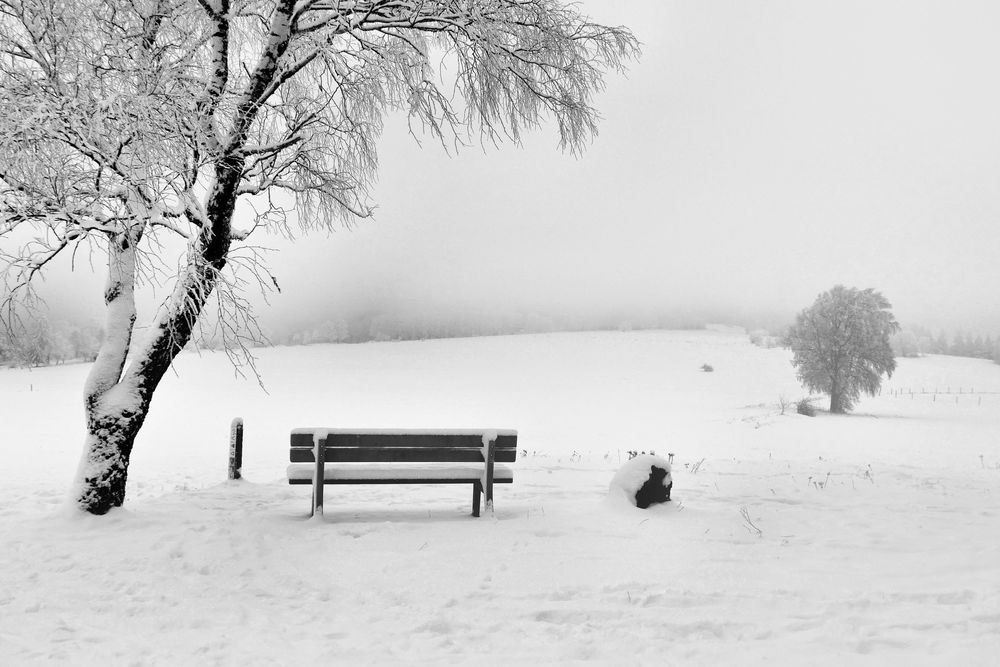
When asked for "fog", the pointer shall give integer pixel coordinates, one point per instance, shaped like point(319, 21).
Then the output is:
point(757, 155)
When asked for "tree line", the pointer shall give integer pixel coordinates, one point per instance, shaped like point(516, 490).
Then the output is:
point(38, 342)
point(426, 325)
point(916, 341)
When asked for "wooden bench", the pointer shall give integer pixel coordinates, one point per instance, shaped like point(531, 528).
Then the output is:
point(321, 456)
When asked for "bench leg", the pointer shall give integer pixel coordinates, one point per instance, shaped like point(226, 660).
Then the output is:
point(317, 499)
point(477, 491)
point(487, 482)
point(319, 475)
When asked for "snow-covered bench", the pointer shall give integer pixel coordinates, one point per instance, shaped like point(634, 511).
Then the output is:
point(341, 456)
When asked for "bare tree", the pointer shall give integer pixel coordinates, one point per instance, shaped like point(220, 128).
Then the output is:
point(125, 124)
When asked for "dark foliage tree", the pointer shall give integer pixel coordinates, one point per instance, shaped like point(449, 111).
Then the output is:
point(841, 345)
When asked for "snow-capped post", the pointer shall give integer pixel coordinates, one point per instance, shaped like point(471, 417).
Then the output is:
point(165, 133)
point(643, 481)
point(236, 449)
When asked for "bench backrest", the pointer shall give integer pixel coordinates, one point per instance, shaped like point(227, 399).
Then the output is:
point(388, 446)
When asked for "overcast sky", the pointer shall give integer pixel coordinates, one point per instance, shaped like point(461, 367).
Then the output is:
point(758, 154)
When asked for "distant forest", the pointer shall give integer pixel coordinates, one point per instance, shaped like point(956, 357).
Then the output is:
point(42, 342)
point(917, 341)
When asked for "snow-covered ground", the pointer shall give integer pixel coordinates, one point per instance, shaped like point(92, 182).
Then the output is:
point(872, 538)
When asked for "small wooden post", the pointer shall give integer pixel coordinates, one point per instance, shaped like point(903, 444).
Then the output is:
point(236, 449)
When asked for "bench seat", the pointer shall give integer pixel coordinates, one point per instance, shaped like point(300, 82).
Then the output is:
point(391, 473)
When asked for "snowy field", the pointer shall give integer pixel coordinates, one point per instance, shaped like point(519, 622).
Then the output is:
point(869, 539)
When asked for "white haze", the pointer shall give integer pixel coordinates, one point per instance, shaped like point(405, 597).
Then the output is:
point(758, 154)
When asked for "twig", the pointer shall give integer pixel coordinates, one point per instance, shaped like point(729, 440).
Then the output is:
point(749, 524)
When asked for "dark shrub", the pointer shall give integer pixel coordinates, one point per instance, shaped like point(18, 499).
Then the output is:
point(805, 407)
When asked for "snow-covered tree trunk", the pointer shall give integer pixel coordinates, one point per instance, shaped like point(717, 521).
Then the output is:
point(112, 413)
point(117, 398)
point(836, 399)
point(103, 472)
point(116, 410)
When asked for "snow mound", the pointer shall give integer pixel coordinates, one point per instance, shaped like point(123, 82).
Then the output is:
point(635, 473)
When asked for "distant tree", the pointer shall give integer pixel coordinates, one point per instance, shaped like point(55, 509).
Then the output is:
point(905, 344)
point(85, 342)
point(34, 342)
point(959, 346)
point(841, 344)
point(330, 331)
point(6, 346)
point(164, 133)
point(925, 340)
point(941, 344)
point(764, 338)
point(978, 348)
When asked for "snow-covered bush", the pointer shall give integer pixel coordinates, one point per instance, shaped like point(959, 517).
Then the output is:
point(805, 407)
point(766, 339)
point(642, 481)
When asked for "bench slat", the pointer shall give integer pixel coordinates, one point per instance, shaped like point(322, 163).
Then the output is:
point(404, 480)
point(302, 473)
point(400, 455)
point(304, 438)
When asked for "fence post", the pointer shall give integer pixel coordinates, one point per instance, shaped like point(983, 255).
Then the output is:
point(236, 449)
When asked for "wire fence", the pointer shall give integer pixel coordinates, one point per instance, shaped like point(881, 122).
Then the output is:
point(959, 394)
